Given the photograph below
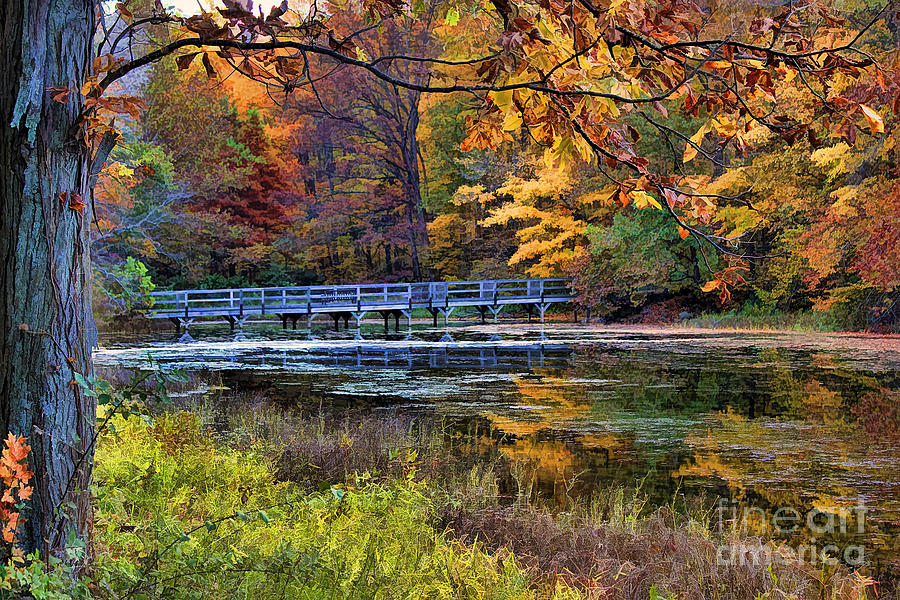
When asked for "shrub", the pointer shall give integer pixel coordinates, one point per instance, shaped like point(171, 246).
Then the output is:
point(179, 517)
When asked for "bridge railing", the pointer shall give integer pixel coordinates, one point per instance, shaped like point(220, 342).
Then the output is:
point(240, 301)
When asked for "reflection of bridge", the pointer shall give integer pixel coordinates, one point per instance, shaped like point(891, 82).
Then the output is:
point(373, 356)
point(356, 301)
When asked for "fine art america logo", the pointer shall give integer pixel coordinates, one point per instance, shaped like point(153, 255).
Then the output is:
point(822, 528)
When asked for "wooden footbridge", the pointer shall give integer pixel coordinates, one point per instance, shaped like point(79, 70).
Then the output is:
point(343, 302)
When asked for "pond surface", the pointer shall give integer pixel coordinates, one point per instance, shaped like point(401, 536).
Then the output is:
point(765, 420)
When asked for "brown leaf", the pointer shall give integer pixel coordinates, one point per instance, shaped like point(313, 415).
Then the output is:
point(661, 109)
point(522, 24)
point(59, 94)
point(207, 64)
point(277, 11)
point(75, 202)
point(346, 47)
point(123, 10)
point(185, 60)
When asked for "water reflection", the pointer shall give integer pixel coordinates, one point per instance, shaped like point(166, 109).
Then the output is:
point(768, 420)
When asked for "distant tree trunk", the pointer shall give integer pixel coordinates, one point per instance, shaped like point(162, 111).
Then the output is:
point(45, 311)
point(388, 260)
point(415, 209)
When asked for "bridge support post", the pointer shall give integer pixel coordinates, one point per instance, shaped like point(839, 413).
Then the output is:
point(434, 314)
point(446, 312)
point(385, 314)
point(359, 316)
point(482, 310)
point(337, 316)
point(542, 308)
point(495, 310)
point(236, 321)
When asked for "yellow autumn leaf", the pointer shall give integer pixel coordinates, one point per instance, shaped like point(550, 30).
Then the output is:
point(690, 150)
point(614, 6)
point(873, 118)
point(725, 127)
point(643, 200)
point(502, 98)
point(512, 121)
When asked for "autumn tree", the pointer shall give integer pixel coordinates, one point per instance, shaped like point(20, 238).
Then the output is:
point(367, 140)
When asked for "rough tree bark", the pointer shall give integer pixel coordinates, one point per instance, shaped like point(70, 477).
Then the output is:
point(45, 310)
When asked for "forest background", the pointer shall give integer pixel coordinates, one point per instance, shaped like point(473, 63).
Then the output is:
point(221, 180)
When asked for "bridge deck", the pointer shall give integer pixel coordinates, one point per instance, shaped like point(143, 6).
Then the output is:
point(358, 299)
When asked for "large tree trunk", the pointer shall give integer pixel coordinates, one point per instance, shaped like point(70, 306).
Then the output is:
point(45, 311)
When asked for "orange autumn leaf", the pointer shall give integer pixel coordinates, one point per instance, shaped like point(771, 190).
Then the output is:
point(710, 285)
point(876, 124)
point(18, 451)
point(15, 474)
point(683, 232)
point(718, 64)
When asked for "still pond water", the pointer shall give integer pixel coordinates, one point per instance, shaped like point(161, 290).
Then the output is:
point(767, 420)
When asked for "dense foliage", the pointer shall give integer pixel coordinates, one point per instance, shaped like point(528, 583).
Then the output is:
point(325, 184)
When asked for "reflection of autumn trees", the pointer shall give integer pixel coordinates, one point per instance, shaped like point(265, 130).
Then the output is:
point(772, 427)
point(878, 414)
point(549, 463)
point(818, 462)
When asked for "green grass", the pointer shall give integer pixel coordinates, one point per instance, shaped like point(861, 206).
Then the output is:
point(180, 517)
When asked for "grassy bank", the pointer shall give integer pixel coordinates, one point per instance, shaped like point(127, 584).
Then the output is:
point(806, 321)
point(236, 497)
point(248, 500)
